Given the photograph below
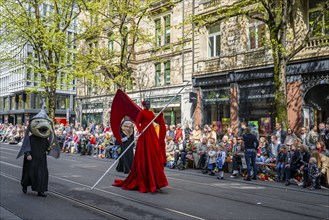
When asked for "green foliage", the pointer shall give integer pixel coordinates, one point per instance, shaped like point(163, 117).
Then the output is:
point(35, 35)
point(112, 29)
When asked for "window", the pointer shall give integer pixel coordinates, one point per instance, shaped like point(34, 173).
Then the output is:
point(158, 32)
point(110, 43)
point(167, 72)
point(158, 74)
point(12, 103)
point(256, 33)
point(1, 108)
point(320, 24)
point(214, 41)
point(6, 106)
point(89, 88)
point(167, 30)
point(20, 102)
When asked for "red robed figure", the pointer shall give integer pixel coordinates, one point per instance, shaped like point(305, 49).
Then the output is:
point(147, 172)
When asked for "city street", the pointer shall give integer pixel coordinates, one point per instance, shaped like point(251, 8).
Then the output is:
point(190, 195)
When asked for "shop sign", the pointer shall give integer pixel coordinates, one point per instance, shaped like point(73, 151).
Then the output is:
point(216, 97)
point(193, 97)
point(97, 105)
point(256, 94)
point(162, 101)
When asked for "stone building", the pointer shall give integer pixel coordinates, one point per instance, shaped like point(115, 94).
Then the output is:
point(234, 72)
point(161, 70)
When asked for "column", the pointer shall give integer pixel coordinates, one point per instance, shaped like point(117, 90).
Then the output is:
point(234, 107)
point(294, 105)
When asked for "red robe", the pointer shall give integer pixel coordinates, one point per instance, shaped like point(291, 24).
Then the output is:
point(147, 172)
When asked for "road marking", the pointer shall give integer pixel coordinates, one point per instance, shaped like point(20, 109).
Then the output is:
point(12, 165)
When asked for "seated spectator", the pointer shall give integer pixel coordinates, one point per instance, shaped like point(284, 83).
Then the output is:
point(170, 151)
point(280, 163)
point(321, 148)
point(67, 142)
point(83, 142)
point(262, 151)
point(180, 156)
point(225, 142)
point(274, 148)
point(238, 156)
point(61, 138)
point(76, 141)
point(304, 160)
point(291, 137)
point(202, 153)
point(313, 174)
point(91, 144)
point(323, 165)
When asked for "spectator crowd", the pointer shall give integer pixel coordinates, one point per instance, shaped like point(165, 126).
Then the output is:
point(292, 158)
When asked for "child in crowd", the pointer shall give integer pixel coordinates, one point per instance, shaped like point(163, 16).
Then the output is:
point(211, 160)
point(313, 173)
point(280, 163)
point(220, 161)
point(202, 152)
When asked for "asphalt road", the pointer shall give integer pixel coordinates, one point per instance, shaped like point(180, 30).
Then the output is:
point(190, 195)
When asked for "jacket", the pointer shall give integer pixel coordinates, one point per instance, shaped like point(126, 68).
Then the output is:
point(250, 141)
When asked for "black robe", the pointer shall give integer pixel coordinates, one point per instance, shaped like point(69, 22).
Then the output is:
point(35, 172)
point(126, 161)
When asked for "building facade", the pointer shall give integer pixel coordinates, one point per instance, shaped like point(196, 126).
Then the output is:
point(234, 73)
point(161, 70)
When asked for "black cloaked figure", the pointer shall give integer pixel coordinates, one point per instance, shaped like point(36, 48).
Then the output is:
point(127, 137)
point(39, 140)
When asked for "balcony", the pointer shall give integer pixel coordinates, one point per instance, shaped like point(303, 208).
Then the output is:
point(247, 59)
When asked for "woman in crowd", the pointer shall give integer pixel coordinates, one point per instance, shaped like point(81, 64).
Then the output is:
point(323, 165)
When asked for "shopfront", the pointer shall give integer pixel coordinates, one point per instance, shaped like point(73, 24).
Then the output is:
point(216, 103)
point(172, 114)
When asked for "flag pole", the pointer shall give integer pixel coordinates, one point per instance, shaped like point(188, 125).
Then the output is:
point(136, 138)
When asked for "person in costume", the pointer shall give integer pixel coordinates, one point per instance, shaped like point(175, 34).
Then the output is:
point(39, 140)
point(127, 137)
point(147, 172)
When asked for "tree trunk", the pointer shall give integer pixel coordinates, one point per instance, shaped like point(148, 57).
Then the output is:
point(51, 103)
point(280, 86)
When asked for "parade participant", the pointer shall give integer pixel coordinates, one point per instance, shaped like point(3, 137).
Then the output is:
point(147, 172)
point(127, 137)
point(34, 149)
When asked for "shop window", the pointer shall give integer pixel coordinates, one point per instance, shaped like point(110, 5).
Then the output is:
point(320, 24)
point(214, 41)
point(256, 34)
point(167, 30)
point(167, 72)
point(158, 74)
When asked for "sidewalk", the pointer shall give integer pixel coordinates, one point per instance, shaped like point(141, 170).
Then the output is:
point(6, 215)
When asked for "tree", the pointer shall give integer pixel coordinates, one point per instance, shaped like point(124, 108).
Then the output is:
point(39, 35)
point(279, 17)
point(109, 40)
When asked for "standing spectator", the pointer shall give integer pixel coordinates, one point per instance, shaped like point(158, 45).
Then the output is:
point(220, 161)
point(197, 134)
point(212, 134)
point(242, 129)
point(187, 132)
point(170, 151)
point(321, 148)
point(211, 163)
point(279, 132)
point(250, 144)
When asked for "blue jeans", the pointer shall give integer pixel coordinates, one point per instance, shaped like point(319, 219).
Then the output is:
point(280, 169)
point(251, 161)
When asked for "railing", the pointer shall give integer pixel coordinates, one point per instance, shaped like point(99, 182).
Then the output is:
point(317, 42)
